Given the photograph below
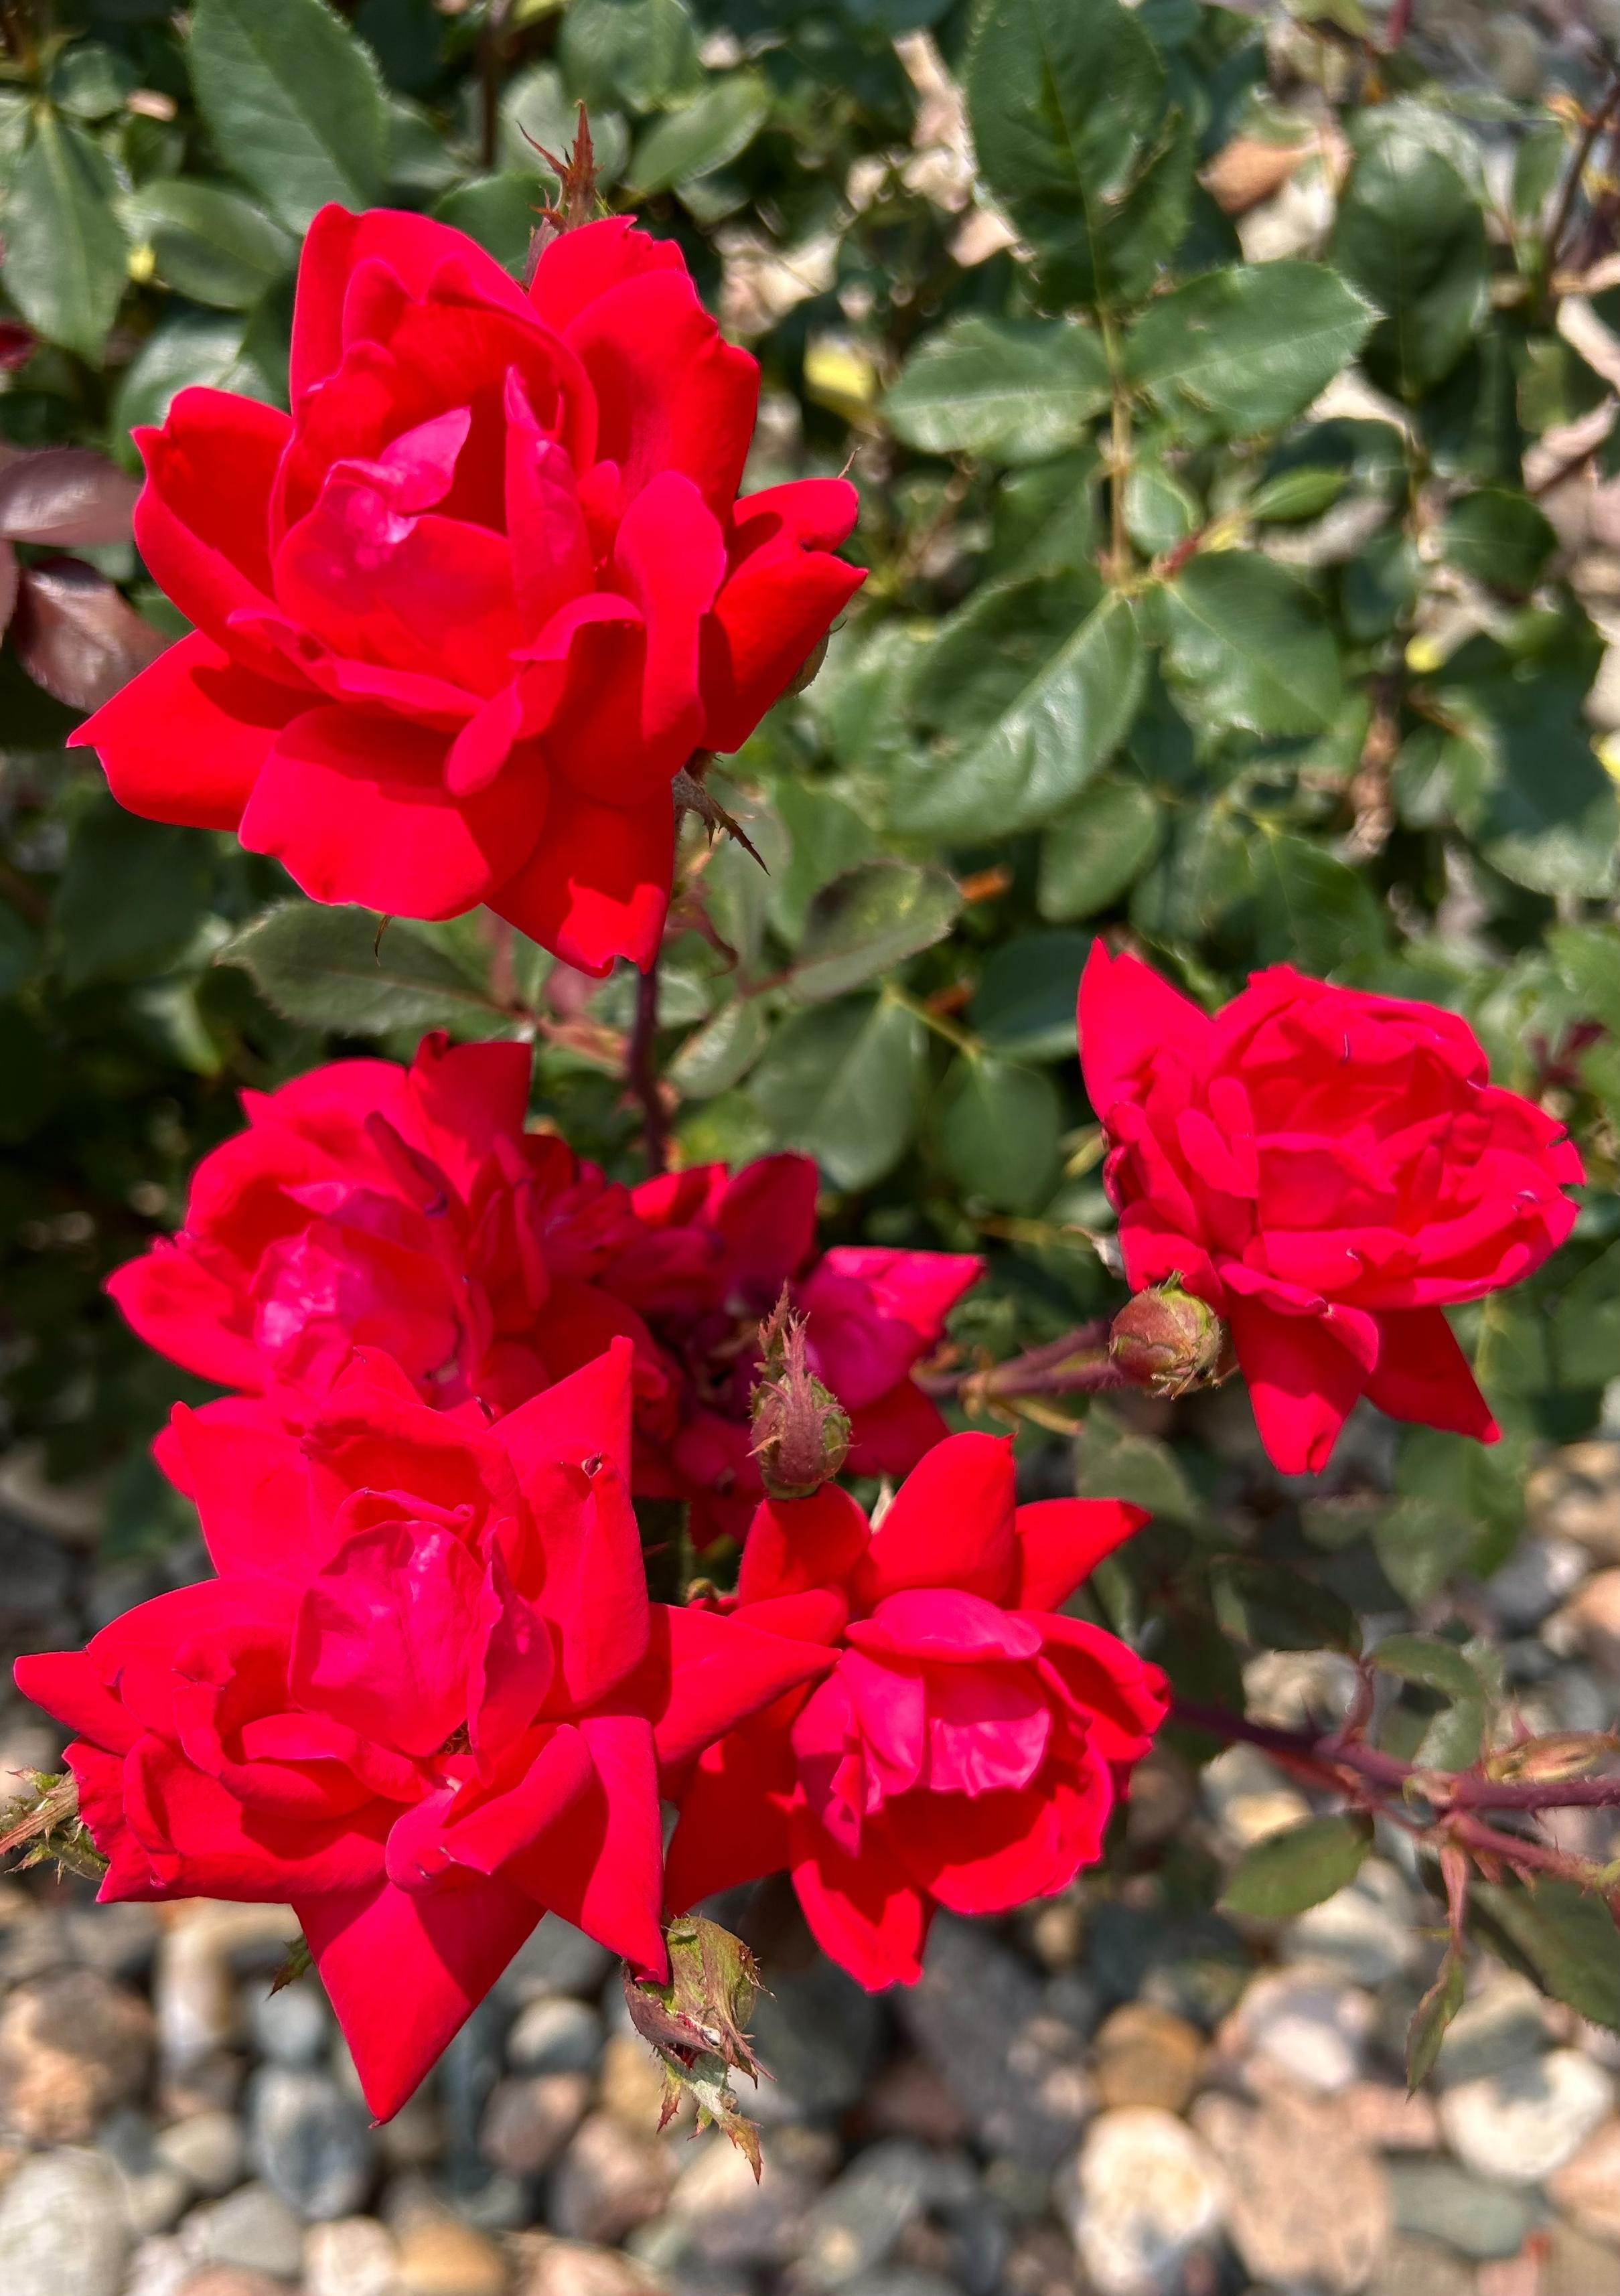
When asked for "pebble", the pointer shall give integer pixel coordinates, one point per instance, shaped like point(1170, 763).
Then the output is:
point(1390, 2120)
point(158, 2266)
point(555, 2035)
point(1366, 1932)
point(609, 2180)
point(252, 2227)
point(727, 2219)
point(439, 2257)
point(1307, 2024)
point(1148, 2055)
point(1575, 2265)
point(854, 2226)
point(820, 2033)
point(574, 2268)
point(62, 2228)
point(1441, 2202)
point(1575, 1495)
point(1504, 2023)
point(977, 2016)
point(1587, 2186)
point(556, 1958)
point(909, 2098)
point(631, 2086)
point(72, 2045)
point(1247, 1800)
point(527, 2122)
point(154, 2191)
point(1422, 2267)
point(192, 1995)
point(207, 2148)
point(231, 2280)
point(308, 2141)
point(1527, 2120)
point(1589, 1623)
point(1543, 1573)
point(1141, 2197)
point(1278, 2163)
point(352, 2256)
point(292, 2026)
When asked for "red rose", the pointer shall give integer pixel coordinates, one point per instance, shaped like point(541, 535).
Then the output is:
point(968, 1746)
point(368, 1205)
point(425, 1700)
point(463, 613)
point(1325, 1169)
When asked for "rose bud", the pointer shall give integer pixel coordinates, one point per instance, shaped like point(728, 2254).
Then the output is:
point(1168, 1341)
point(800, 1429)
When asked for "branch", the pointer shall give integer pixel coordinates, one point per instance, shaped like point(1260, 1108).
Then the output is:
point(1078, 1364)
point(1595, 125)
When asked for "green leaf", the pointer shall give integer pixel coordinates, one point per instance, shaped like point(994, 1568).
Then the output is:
point(721, 1053)
point(1499, 538)
point(1425, 1659)
point(1274, 1608)
point(1114, 1462)
point(1205, 877)
point(1021, 389)
point(828, 836)
point(66, 255)
point(997, 1128)
point(19, 952)
point(1056, 729)
point(191, 348)
point(212, 245)
point(1293, 496)
point(1588, 961)
point(500, 213)
point(1421, 1542)
point(870, 918)
point(707, 134)
point(1065, 100)
point(1248, 647)
point(131, 896)
point(1454, 1738)
point(842, 1082)
point(1248, 348)
point(641, 53)
point(1431, 2016)
point(91, 80)
point(329, 968)
point(1024, 1002)
point(292, 101)
point(1410, 234)
point(1566, 1934)
point(1314, 912)
point(1287, 1873)
point(1096, 849)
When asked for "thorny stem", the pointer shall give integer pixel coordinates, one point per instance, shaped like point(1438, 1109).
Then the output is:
point(1119, 452)
point(1381, 1784)
point(641, 1072)
point(1596, 124)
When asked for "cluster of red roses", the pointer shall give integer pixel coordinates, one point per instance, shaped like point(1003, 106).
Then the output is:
point(460, 618)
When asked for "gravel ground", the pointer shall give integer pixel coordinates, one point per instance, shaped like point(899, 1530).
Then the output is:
point(1110, 2093)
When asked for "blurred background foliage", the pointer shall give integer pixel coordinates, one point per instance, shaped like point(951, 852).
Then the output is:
point(1233, 435)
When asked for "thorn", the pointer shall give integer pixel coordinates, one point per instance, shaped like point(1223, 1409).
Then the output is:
point(691, 797)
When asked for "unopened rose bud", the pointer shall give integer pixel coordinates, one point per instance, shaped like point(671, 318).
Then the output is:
point(1166, 1340)
point(800, 1429)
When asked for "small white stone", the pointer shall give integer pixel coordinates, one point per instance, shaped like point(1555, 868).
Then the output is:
point(1522, 2123)
point(1365, 1931)
point(1308, 2023)
point(1140, 2197)
point(353, 2255)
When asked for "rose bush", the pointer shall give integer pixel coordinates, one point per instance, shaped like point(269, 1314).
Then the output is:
point(969, 1745)
point(463, 614)
point(409, 1210)
point(425, 1699)
point(1328, 1171)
